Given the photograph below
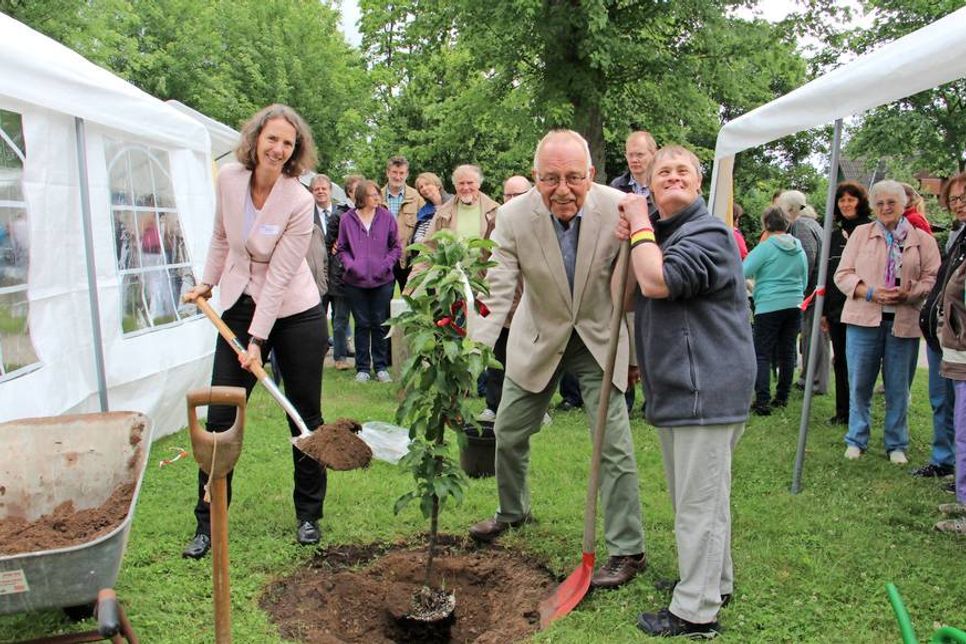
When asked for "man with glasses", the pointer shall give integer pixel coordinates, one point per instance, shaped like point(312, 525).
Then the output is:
point(515, 186)
point(639, 151)
point(559, 240)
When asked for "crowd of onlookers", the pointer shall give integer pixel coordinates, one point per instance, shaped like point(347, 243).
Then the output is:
point(888, 285)
point(285, 260)
point(884, 290)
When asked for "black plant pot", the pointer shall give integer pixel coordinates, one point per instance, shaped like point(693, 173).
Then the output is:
point(478, 456)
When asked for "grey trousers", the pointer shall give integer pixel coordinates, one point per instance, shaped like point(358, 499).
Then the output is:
point(697, 464)
point(520, 417)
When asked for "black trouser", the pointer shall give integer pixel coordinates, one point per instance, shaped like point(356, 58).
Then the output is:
point(494, 377)
point(570, 391)
point(299, 343)
point(775, 332)
point(836, 331)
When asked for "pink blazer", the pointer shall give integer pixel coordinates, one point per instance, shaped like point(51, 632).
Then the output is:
point(270, 262)
point(864, 260)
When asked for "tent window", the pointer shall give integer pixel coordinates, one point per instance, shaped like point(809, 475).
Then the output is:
point(16, 349)
point(152, 258)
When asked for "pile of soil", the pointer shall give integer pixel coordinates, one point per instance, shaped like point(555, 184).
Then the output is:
point(65, 526)
point(337, 446)
point(345, 593)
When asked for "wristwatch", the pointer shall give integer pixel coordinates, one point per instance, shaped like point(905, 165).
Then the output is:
point(258, 342)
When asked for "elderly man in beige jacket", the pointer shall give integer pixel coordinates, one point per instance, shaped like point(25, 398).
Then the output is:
point(559, 239)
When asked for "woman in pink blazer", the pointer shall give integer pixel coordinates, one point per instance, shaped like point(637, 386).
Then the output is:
point(263, 225)
point(887, 269)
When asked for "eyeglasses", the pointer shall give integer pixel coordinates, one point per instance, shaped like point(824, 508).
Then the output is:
point(954, 201)
point(573, 180)
point(882, 203)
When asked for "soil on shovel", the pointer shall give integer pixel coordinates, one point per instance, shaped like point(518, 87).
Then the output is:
point(65, 526)
point(347, 593)
point(336, 445)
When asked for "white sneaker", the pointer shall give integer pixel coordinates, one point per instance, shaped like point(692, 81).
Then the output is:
point(487, 416)
point(547, 419)
point(952, 526)
point(362, 376)
point(383, 376)
point(898, 457)
point(953, 509)
point(852, 452)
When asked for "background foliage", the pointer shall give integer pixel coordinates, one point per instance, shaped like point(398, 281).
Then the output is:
point(455, 81)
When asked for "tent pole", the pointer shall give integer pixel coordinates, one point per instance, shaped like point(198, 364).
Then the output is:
point(819, 302)
point(85, 198)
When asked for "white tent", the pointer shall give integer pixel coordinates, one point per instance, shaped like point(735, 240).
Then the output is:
point(106, 205)
point(927, 58)
point(224, 139)
point(931, 56)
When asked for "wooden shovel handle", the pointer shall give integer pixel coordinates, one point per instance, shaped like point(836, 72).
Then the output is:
point(616, 319)
point(228, 334)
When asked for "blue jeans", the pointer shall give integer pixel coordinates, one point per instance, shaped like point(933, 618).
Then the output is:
point(340, 325)
point(942, 397)
point(866, 348)
point(370, 309)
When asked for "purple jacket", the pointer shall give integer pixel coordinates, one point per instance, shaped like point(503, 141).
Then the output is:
point(368, 257)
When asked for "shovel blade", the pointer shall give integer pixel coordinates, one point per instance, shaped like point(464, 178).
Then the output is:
point(569, 593)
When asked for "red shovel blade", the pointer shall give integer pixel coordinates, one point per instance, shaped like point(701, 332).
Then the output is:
point(569, 593)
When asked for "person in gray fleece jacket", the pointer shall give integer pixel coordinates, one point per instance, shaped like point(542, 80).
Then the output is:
point(697, 363)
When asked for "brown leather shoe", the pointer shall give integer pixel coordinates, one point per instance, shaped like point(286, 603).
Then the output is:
point(618, 570)
point(489, 529)
point(342, 365)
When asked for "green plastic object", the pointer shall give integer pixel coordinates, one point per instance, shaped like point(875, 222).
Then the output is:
point(945, 635)
point(902, 615)
point(948, 635)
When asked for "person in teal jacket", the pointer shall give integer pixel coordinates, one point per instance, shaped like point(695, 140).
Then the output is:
point(780, 270)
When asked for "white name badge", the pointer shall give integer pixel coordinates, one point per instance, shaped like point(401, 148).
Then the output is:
point(268, 229)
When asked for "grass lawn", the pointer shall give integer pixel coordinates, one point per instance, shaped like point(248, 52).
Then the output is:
point(809, 568)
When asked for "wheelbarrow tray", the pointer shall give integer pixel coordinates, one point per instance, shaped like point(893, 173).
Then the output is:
point(79, 458)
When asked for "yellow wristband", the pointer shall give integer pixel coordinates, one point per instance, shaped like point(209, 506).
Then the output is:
point(643, 235)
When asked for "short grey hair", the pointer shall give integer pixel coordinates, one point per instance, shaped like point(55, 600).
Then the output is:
point(563, 133)
point(320, 178)
point(888, 187)
point(467, 167)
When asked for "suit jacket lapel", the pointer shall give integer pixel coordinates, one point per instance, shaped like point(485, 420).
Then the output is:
point(547, 240)
point(586, 246)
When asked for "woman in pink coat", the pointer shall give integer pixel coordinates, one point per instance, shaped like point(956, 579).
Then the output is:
point(263, 225)
point(887, 269)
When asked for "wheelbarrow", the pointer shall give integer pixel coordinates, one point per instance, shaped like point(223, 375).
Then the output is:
point(82, 459)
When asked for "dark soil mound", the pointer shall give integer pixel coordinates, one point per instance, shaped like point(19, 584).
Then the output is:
point(336, 446)
point(343, 594)
point(65, 526)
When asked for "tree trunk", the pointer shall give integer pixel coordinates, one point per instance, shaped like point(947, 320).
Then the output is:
point(569, 77)
point(433, 529)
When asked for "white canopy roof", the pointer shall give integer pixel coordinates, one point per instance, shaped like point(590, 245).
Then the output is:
point(927, 58)
point(73, 85)
point(224, 139)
